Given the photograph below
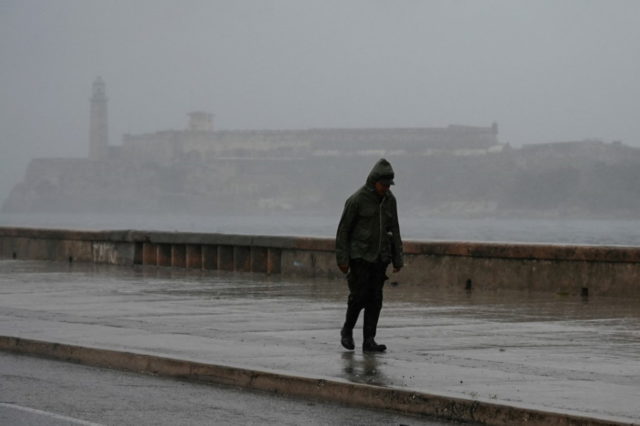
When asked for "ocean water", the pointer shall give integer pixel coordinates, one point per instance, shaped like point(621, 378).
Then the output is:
point(570, 231)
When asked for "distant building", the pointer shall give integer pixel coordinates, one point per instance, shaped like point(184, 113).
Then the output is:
point(442, 171)
point(199, 141)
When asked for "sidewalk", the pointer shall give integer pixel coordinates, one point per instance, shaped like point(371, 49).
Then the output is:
point(544, 352)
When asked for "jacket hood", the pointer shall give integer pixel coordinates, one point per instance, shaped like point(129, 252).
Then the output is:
point(381, 170)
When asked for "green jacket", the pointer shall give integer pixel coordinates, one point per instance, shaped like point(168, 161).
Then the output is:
point(369, 227)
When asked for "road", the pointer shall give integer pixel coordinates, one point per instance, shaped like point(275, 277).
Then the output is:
point(35, 391)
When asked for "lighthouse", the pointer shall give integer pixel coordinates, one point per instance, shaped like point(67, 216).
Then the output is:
point(98, 122)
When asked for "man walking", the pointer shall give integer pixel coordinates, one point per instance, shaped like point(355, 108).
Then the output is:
point(368, 239)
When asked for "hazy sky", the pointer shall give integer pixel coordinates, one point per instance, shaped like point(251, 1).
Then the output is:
point(545, 70)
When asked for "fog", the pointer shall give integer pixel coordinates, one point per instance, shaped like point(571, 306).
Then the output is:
point(545, 70)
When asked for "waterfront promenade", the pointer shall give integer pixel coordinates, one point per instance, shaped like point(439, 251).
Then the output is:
point(545, 352)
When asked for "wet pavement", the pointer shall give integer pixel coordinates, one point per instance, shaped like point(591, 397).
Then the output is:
point(551, 352)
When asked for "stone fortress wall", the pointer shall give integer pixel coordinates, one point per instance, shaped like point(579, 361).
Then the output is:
point(204, 143)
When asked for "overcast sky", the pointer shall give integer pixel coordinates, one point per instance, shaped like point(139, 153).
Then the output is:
point(545, 70)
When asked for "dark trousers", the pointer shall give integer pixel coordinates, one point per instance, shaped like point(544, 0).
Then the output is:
point(365, 280)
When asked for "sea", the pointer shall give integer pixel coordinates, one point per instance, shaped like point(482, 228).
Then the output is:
point(608, 232)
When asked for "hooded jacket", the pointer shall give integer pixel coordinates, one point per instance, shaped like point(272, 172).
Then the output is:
point(369, 228)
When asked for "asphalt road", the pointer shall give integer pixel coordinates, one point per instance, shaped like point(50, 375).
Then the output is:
point(35, 391)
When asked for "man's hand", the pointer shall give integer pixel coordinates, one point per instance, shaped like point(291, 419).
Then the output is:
point(397, 269)
point(344, 268)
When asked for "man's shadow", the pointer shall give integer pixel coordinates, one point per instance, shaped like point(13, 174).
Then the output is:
point(363, 369)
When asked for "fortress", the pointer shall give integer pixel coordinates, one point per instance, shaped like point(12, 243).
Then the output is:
point(200, 141)
point(449, 170)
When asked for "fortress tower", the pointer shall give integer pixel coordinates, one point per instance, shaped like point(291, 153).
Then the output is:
point(200, 121)
point(98, 122)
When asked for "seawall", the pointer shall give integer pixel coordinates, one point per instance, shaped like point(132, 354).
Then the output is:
point(575, 270)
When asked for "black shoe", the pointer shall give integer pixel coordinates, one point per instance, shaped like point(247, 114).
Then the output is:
point(370, 345)
point(347, 340)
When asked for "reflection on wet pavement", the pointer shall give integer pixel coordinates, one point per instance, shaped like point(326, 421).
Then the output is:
point(364, 368)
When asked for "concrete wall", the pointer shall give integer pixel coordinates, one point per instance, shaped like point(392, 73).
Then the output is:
point(592, 270)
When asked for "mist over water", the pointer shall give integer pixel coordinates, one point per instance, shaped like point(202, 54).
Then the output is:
point(581, 232)
point(541, 72)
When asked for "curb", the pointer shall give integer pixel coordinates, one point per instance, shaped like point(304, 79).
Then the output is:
point(361, 395)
